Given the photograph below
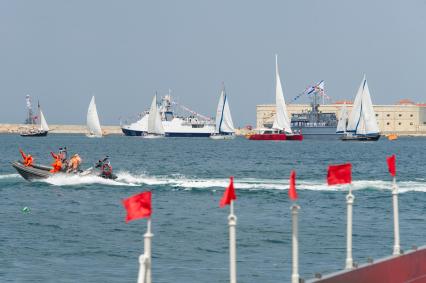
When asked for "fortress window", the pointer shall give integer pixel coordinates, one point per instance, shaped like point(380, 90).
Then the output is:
point(411, 123)
point(387, 115)
point(389, 123)
point(377, 115)
point(411, 115)
point(399, 123)
point(400, 115)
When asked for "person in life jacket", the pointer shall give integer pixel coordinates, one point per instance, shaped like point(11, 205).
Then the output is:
point(57, 164)
point(63, 154)
point(28, 159)
point(105, 166)
point(74, 163)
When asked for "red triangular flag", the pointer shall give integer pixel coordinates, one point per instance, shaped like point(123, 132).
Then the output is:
point(292, 194)
point(229, 194)
point(391, 164)
point(138, 206)
point(339, 174)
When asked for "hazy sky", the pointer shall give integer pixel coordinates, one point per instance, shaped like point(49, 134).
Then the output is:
point(62, 52)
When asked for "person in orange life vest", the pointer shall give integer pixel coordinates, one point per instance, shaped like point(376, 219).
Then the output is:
point(74, 164)
point(57, 164)
point(28, 159)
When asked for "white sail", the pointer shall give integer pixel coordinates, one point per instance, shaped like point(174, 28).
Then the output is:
point(224, 122)
point(343, 119)
point(219, 112)
point(93, 125)
point(369, 115)
point(362, 119)
point(227, 125)
point(155, 126)
point(281, 122)
point(43, 123)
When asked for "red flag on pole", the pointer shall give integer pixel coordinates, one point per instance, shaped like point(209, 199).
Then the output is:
point(391, 160)
point(138, 206)
point(229, 194)
point(292, 194)
point(339, 174)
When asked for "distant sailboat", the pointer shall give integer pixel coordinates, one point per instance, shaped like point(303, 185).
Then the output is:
point(155, 125)
point(281, 129)
point(343, 120)
point(93, 125)
point(42, 130)
point(224, 126)
point(362, 124)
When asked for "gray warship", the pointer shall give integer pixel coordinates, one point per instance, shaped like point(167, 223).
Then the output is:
point(315, 124)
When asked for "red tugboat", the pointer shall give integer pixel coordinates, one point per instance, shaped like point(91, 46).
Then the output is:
point(281, 129)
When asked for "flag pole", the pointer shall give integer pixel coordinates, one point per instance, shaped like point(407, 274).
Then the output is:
point(232, 222)
point(145, 259)
point(349, 201)
point(396, 246)
point(295, 272)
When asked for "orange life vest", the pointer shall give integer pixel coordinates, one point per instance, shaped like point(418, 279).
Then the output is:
point(28, 159)
point(57, 164)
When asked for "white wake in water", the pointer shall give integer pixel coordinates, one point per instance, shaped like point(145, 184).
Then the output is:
point(9, 176)
point(179, 181)
point(73, 180)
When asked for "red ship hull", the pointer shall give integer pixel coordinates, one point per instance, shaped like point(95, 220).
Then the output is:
point(275, 137)
point(410, 267)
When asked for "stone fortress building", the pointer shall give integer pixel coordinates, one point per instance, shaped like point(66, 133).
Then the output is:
point(403, 118)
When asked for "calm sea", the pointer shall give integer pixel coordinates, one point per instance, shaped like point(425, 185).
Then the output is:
point(75, 230)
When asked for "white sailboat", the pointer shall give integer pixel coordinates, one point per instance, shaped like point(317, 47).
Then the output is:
point(281, 121)
point(155, 125)
point(362, 124)
point(224, 126)
point(281, 128)
point(93, 125)
point(43, 124)
point(343, 120)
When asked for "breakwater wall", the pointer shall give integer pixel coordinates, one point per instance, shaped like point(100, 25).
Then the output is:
point(60, 129)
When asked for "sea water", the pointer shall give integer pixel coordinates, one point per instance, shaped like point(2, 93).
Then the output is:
point(72, 229)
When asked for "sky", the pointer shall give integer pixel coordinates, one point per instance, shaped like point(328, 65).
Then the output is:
point(63, 52)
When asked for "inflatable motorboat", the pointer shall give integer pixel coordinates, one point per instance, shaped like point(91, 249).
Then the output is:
point(35, 172)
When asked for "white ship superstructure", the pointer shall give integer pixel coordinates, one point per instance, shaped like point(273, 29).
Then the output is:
point(194, 125)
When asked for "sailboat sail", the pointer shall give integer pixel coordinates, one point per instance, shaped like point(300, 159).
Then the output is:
point(227, 125)
point(343, 119)
point(369, 115)
point(224, 122)
point(362, 119)
point(219, 112)
point(93, 124)
point(281, 122)
point(43, 123)
point(155, 126)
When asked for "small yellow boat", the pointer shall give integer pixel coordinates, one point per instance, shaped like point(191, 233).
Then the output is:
point(392, 137)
